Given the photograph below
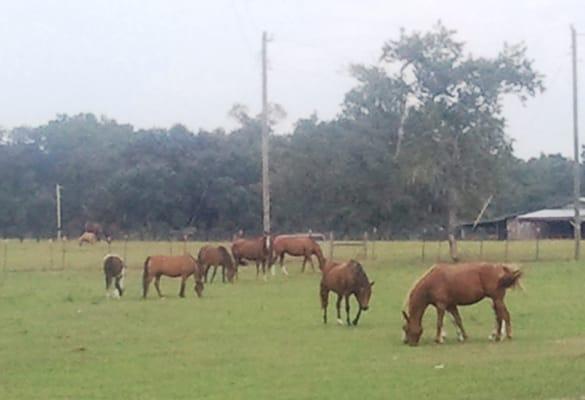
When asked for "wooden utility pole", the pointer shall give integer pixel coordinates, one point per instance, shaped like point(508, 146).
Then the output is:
point(576, 168)
point(265, 175)
point(59, 226)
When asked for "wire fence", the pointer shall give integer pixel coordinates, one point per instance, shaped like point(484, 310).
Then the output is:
point(49, 255)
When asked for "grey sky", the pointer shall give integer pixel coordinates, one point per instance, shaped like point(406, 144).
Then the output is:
point(156, 63)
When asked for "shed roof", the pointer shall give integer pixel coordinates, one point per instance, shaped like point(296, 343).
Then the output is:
point(561, 214)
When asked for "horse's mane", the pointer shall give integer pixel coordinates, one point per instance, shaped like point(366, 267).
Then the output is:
point(414, 285)
point(359, 272)
point(226, 256)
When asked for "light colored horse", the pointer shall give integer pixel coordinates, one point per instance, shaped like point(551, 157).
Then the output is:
point(87, 237)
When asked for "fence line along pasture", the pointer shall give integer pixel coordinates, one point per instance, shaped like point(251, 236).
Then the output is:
point(50, 255)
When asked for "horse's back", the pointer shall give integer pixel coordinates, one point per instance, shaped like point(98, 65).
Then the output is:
point(113, 265)
point(171, 265)
point(296, 245)
point(342, 278)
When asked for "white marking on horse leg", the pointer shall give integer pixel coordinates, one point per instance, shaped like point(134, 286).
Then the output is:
point(284, 270)
point(460, 336)
point(503, 330)
point(340, 321)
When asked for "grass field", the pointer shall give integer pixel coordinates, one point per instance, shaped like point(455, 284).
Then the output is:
point(60, 338)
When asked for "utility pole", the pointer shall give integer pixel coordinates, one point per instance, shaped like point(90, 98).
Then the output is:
point(265, 176)
point(58, 190)
point(576, 169)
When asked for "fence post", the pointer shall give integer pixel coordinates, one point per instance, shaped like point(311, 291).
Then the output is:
point(537, 255)
point(62, 254)
point(171, 246)
point(331, 244)
point(184, 244)
point(423, 248)
point(439, 251)
point(5, 261)
point(481, 248)
point(125, 248)
point(365, 245)
point(51, 253)
point(374, 239)
point(506, 249)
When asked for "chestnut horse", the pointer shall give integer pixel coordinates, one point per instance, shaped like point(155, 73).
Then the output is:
point(256, 249)
point(173, 266)
point(210, 256)
point(297, 246)
point(114, 270)
point(87, 237)
point(446, 286)
point(345, 279)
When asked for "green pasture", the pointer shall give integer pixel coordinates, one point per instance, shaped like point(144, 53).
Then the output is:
point(60, 338)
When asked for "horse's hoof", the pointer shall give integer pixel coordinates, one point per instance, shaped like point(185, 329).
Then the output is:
point(439, 341)
point(340, 321)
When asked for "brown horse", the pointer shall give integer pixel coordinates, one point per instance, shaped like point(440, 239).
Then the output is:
point(87, 237)
point(256, 249)
point(114, 269)
point(210, 256)
point(345, 279)
point(297, 246)
point(446, 286)
point(173, 266)
point(94, 228)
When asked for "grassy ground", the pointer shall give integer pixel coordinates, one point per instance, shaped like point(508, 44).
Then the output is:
point(61, 339)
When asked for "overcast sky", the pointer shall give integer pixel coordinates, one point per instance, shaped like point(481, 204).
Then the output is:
point(156, 63)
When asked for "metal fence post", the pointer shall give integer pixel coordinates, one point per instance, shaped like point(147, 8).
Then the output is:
point(331, 244)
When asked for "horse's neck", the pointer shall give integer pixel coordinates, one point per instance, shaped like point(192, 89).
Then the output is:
point(417, 304)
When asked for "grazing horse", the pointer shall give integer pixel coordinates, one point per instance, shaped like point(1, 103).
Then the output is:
point(256, 249)
point(210, 256)
point(297, 246)
point(114, 269)
point(94, 228)
point(345, 279)
point(446, 286)
point(87, 237)
point(173, 266)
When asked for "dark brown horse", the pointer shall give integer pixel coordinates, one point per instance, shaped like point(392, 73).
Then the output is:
point(297, 246)
point(446, 286)
point(211, 256)
point(174, 266)
point(345, 279)
point(256, 249)
point(114, 270)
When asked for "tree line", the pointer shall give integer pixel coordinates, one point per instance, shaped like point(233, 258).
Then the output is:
point(418, 146)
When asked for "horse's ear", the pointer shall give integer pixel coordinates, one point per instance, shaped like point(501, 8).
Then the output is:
point(372, 283)
point(405, 316)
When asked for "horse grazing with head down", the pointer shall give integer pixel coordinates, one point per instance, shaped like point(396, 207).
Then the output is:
point(173, 266)
point(256, 249)
point(114, 270)
point(345, 279)
point(210, 256)
point(297, 246)
point(446, 286)
point(87, 237)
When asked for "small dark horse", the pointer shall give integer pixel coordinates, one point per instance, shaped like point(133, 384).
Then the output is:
point(257, 249)
point(114, 269)
point(297, 246)
point(446, 286)
point(210, 256)
point(173, 266)
point(345, 279)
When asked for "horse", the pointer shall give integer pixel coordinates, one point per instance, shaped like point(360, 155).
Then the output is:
point(210, 256)
point(297, 246)
point(114, 269)
point(172, 266)
point(345, 279)
point(255, 249)
point(94, 228)
point(446, 286)
point(87, 237)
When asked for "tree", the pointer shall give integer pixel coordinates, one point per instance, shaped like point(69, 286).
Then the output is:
point(454, 139)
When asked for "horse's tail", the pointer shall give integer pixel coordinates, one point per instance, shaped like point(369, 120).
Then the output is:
point(511, 278)
point(145, 276)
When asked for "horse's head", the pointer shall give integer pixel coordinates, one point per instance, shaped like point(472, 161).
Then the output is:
point(412, 331)
point(363, 295)
point(199, 288)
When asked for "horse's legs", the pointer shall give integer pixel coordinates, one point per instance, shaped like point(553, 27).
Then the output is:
point(214, 272)
point(502, 319)
point(311, 261)
point(497, 334)
point(440, 315)
point(108, 285)
point(461, 335)
point(257, 268)
point(205, 269)
point(357, 317)
point(156, 285)
point(347, 309)
point(183, 283)
point(304, 263)
point(264, 271)
point(145, 284)
point(282, 267)
point(338, 306)
point(120, 285)
point(324, 302)
point(223, 274)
